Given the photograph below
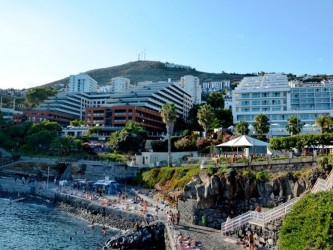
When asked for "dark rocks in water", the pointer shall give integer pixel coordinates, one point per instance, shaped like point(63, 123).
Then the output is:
point(148, 237)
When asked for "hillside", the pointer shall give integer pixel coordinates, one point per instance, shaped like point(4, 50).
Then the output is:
point(149, 71)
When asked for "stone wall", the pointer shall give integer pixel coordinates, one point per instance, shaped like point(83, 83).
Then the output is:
point(114, 171)
point(216, 216)
point(100, 214)
point(187, 210)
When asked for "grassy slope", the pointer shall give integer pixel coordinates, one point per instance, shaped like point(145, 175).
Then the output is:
point(310, 224)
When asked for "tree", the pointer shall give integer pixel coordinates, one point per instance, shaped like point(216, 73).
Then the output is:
point(294, 125)
point(225, 117)
point(37, 95)
point(192, 120)
point(42, 134)
point(205, 116)
point(76, 123)
point(169, 115)
point(45, 125)
point(261, 125)
point(242, 128)
point(215, 99)
point(325, 123)
point(65, 145)
point(129, 140)
point(40, 140)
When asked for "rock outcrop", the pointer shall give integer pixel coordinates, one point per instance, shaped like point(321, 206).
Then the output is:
point(148, 237)
point(210, 190)
point(208, 200)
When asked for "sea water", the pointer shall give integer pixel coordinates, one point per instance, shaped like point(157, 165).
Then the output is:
point(34, 226)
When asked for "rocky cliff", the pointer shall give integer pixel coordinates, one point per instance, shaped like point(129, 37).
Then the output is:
point(217, 196)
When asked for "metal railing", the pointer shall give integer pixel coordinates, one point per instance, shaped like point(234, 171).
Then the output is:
point(323, 185)
point(263, 218)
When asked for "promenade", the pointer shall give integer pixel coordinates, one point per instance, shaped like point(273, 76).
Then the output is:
point(208, 238)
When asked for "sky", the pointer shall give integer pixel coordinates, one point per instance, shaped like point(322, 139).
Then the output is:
point(44, 41)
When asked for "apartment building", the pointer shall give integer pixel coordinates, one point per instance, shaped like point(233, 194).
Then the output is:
point(117, 84)
point(215, 86)
point(275, 97)
point(191, 84)
point(81, 83)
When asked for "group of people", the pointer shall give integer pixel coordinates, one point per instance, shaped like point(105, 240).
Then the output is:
point(173, 218)
point(186, 243)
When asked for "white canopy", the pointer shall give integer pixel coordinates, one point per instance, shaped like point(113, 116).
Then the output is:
point(243, 141)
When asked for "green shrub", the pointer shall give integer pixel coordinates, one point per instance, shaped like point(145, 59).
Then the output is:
point(165, 174)
point(177, 176)
point(211, 171)
point(223, 160)
point(248, 173)
point(112, 157)
point(262, 176)
point(259, 159)
point(221, 171)
point(280, 158)
point(309, 224)
point(242, 160)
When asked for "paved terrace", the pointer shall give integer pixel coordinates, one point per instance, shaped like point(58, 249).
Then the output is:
point(208, 238)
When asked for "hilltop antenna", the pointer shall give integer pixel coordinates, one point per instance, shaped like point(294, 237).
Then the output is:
point(139, 57)
point(145, 55)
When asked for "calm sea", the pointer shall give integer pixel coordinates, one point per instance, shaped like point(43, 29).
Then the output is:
point(32, 226)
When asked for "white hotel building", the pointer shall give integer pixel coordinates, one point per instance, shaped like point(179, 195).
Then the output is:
point(191, 84)
point(117, 84)
point(82, 83)
point(273, 96)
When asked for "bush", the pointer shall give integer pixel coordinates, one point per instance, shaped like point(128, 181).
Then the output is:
point(259, 159)
point(112, 157)
point(222, 171)
point(309, 224)
point(177, 177)
point(211, 171)
point(262, 176)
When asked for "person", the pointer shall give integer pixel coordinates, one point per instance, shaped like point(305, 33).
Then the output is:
point(103, 230)
point(251, 240)
point(258, 208)
point(178, 217)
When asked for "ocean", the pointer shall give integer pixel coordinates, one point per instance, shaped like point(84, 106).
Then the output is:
point(33, 226)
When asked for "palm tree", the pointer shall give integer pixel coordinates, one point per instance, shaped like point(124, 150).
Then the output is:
point(294, 125)
point(169, 116)
point(242, 128)
point(325, 123)
point(65, 145)
point(261, 124)
point(205, 116)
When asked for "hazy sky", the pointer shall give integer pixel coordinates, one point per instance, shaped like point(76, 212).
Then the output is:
point(44, 40)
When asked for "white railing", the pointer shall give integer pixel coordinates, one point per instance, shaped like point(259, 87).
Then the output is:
point(322, 185)
point(264, 217)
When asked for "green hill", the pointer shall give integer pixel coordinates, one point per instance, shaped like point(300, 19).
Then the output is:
point(150, 71)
